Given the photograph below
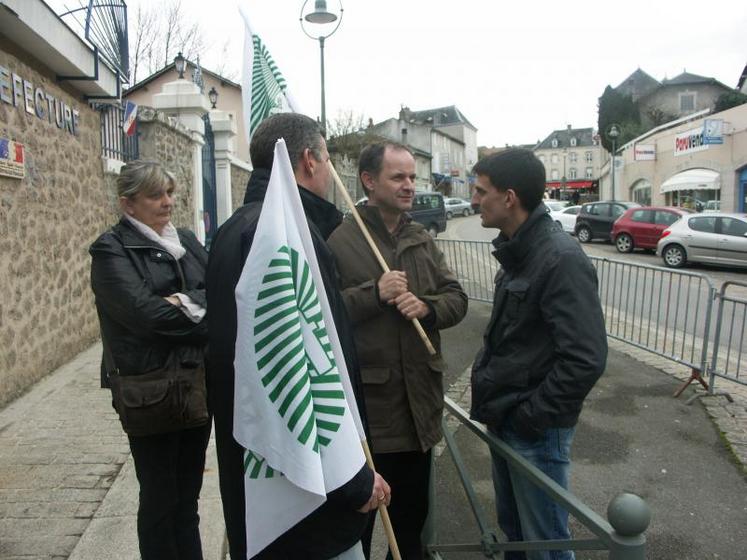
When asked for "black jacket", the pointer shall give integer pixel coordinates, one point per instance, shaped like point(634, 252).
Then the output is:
point(335, 526)
point(545, 345)
point(130, 276)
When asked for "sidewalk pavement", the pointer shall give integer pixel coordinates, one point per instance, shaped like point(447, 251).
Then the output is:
point(67, 482)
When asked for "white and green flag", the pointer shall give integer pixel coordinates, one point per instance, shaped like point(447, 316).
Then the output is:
point(263, 88)
point(294, 409)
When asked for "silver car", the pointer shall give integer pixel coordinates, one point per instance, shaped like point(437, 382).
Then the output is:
point(712, 237)
point(457, 207)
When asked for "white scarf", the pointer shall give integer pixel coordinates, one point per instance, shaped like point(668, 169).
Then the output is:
point(169, 239)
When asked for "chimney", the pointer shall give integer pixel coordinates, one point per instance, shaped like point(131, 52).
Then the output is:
point(404, 136)
point(569, 129)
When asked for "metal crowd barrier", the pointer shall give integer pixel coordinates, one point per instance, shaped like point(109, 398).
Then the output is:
point(623, 535)
point(670, 313)
point(664, 311)
point(729, 359)
point(474, 265)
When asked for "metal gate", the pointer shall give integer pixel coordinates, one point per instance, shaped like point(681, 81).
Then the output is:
point(209, 201)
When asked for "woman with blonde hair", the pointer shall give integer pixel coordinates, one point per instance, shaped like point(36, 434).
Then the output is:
point(148, 278)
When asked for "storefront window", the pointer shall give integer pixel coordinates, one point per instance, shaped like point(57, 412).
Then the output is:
point(698, 200)
point(642, 193)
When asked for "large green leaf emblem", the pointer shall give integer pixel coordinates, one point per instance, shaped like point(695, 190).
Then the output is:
point(294, 357)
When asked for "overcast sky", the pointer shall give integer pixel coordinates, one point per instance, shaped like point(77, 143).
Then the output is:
point(517, 70)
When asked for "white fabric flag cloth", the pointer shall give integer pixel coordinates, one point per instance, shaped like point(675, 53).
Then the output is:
point(294, 409)
point(263, 88)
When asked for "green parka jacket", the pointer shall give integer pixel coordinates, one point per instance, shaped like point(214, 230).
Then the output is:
point(403, 385)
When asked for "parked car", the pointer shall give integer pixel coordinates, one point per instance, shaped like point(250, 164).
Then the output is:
point(717, 238)
point(457, 206)
point(595, 219)
point(428, 208)
point(555, 205)
point(566, 217)
point(641, 228)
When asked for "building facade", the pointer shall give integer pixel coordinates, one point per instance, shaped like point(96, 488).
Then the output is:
point(229, 97)
point(697, 162)
point(573, 159)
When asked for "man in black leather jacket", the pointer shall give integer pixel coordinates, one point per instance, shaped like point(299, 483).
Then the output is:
point(338, 524)
point(544, 348)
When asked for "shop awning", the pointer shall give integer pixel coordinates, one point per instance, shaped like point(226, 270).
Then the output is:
point(691, 180)
point(569, 184)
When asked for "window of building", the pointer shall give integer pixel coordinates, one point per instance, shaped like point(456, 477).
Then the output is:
point(572, 173)
point(542, 159)
point(687, 101)
point(589, 157)
point(573, 141)
point(554, 175)
point(589, 173)
point(554, 158)
point(573, 157)
point(642, 193)
point(554, 142)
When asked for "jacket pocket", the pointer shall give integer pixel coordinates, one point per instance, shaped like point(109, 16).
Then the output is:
point(516, 299)
point(375, 390)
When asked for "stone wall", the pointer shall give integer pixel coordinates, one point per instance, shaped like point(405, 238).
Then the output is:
point(239, 179)
point(164, 140)
point(47, 222)
point(49, 219)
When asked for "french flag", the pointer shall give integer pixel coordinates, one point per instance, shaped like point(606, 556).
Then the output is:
point(130, 119)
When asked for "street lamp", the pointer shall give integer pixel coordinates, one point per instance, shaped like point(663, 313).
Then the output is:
point(179, 64)
point(320, 16)
point(213, 96)
point(613, 131)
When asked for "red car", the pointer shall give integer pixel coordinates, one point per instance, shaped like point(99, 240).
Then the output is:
point(640, 228)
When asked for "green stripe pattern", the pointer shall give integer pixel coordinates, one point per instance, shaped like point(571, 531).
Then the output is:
point(268, 85)
point(295, 361)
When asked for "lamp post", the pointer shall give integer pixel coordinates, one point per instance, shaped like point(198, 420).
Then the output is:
point(213, 96)
point(613, 131)
point(320, 16)
point(179, 64)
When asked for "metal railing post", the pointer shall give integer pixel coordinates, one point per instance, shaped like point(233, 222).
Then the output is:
point(629, 516)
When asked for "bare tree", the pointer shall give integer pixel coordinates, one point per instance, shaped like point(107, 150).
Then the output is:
point(141, 42)
point(160, 31)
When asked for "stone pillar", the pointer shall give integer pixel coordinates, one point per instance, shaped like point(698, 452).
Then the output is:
point(183, 100)
point(224, 129)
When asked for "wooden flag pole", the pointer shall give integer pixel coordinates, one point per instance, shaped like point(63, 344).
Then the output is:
point(385, 267)
point(385, 520)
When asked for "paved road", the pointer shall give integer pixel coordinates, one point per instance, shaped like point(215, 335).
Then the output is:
point(632, 436)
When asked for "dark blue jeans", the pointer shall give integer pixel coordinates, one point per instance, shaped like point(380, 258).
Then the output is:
point(525, 512)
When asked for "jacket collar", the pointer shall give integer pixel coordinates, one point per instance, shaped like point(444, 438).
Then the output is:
point(320, 212)
point(131, 237)
point(409, 233)
point(511, 252)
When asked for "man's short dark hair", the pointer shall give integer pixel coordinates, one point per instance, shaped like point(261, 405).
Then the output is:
point(371, 159)
point(518, 169)
point(299, 131)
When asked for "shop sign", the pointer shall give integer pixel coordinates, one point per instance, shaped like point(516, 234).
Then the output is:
point(689, 142)
point(11, 159)
point(644, 152)
point(713, 131)
point(19, 92)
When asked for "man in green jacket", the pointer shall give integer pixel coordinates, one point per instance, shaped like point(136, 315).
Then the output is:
point(402, 383)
